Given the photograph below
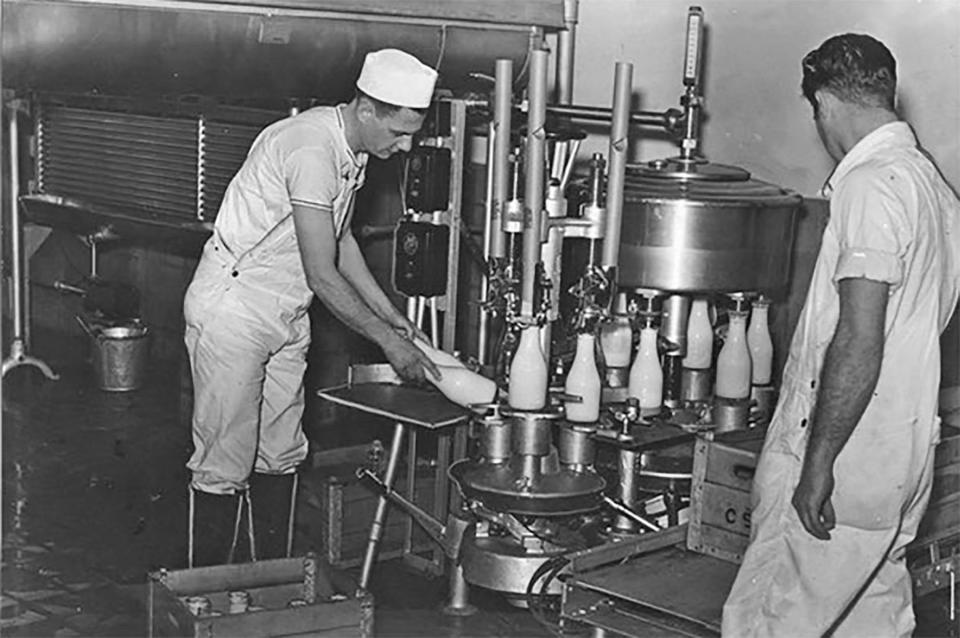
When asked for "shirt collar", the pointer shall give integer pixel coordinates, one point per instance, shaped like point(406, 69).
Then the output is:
point(892, 135)
point(359, 159)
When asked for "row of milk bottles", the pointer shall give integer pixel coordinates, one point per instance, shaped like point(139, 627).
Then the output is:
point(745, 360)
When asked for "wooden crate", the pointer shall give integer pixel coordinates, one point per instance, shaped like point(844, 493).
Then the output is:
point(336, 513)
point(272, 585)
point(723, 469)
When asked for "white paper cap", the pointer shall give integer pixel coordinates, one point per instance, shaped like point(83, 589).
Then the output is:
point(396, 77)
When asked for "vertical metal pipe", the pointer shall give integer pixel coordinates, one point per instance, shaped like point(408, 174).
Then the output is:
point(503, 102)
point(534, 183)
point(16, 232)
point(458, 604)
point(380, 517)
point(488, 227)
point(566, 45)
point(617, 162)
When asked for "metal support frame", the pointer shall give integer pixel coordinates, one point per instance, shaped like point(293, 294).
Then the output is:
point(19, 309)
point(380, 516)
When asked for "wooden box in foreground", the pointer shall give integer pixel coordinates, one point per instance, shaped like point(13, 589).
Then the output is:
point(288, 597)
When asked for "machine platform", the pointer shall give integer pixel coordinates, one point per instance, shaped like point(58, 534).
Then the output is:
point(634, 598)
point(414, 406)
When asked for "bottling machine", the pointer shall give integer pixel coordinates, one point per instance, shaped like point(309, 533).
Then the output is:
point(674, 246)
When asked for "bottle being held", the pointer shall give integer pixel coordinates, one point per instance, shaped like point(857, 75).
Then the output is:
point(528, 373)
point(583, 380)
point(457, 382)
point(733, 363)
point(646, 374)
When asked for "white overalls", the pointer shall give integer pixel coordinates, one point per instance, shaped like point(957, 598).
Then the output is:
point(247, 328)
point(892, 219)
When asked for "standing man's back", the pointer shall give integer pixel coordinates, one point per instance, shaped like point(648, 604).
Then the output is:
point(845, 473)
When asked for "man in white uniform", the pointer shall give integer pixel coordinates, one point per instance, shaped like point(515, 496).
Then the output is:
point(845, 472)
point(283, 235)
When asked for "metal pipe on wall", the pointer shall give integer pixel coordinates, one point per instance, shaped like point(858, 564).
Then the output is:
point(617, 162)
point(534, 182)
point(16, 252)
point(503, 99)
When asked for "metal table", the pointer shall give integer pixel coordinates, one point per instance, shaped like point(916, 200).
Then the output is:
point(374, 390)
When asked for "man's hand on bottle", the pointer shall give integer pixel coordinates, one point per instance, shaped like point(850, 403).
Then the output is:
point(408, 360)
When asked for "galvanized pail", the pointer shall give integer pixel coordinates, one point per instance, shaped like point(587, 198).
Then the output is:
point(120, 355)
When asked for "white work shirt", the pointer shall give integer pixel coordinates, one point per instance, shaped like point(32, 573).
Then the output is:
point(303, 160)
point(894, 220)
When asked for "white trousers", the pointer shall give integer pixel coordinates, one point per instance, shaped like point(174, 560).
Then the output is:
point(793, 585)
point(248, 358)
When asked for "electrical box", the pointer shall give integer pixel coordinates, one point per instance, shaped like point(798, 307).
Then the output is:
point(428, 179)
point(420, 258)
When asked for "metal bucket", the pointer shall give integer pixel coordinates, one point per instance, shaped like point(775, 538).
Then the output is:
point(120, 355)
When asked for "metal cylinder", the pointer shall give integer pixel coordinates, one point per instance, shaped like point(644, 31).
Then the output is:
point(503, 98)
point(532, 434)
point(530, 468)
point(730, 414)
point(696, 234)
point(673, 326)
point(672, 367)
point(627, 489)
point(534, 178)
point(696, 385)
point(496, 438)
point(576, 446)
point(617, 162)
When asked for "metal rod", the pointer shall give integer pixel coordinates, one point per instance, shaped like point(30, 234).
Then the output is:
point(627, 488)
point(566, 45)
point(666, 119)
point(488, 208)
point(376, 527)
point(630, 514)
point(617, 162)
point(16, 232)
point(503, 97)
point(533, 186)
point(18, 347)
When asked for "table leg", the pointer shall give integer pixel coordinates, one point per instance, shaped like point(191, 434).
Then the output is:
point(376, 527)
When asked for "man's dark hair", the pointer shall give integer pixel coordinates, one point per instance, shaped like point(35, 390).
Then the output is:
point(384, 109)
point(856, 68)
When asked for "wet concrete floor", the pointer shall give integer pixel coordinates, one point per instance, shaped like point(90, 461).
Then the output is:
point(94, 498)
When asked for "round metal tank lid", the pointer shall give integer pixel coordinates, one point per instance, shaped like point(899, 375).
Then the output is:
point(701, 181)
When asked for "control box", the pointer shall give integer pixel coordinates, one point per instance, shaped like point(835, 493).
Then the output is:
point(420, 258)
point(428, 179)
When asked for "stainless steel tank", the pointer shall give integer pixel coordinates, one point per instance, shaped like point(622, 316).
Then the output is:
point(705, 228)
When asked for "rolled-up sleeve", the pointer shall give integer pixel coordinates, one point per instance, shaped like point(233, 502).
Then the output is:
point(872, 227)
